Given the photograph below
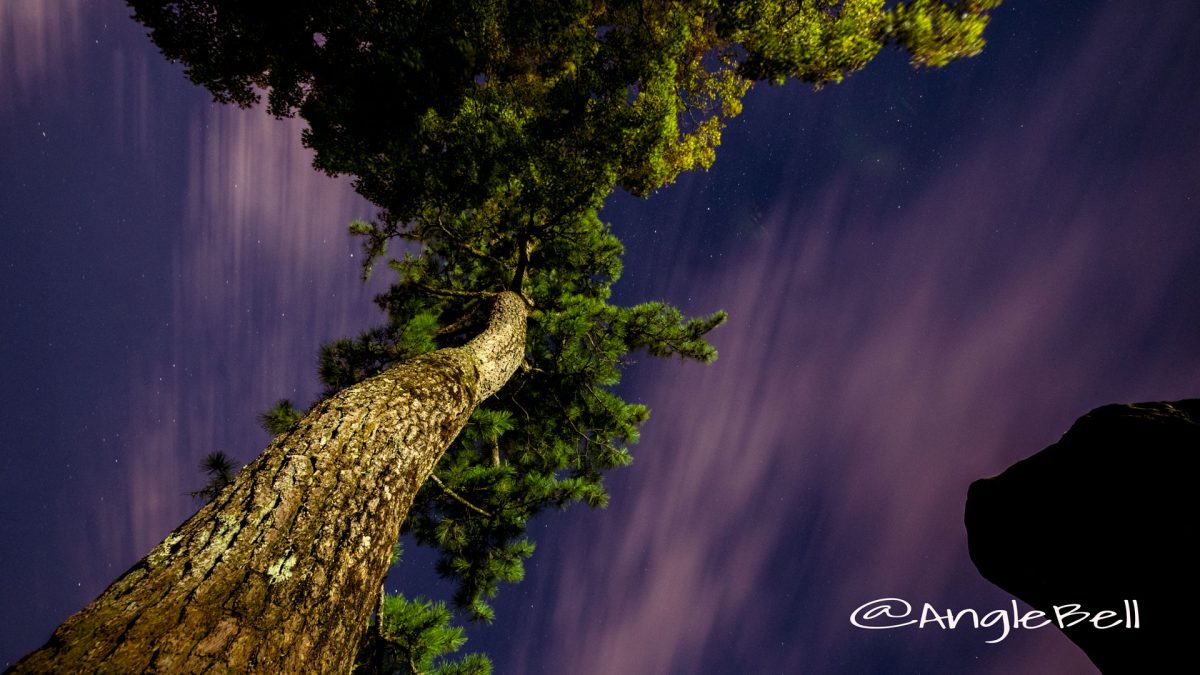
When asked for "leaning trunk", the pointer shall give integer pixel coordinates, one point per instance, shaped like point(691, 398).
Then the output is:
point(281, 571)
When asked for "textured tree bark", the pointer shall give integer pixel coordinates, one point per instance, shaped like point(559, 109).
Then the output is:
point(281, 571)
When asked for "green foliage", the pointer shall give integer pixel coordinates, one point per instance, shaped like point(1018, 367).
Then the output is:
point(220, 470)
point(936, 33)
point(412, 636)
point(344, 362)
point(817, 41)
point(454, 107)
point(546, 440)
point(490, 133)
point(281, 418)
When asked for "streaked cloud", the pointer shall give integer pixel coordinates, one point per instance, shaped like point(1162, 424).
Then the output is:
point(40, 44)
point(878, 360)
point(261, 271)
point(263, 274)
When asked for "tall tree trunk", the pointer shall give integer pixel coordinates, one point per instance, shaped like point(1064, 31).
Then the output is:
point(281, 571)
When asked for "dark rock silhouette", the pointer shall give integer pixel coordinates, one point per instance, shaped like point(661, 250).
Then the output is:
point(1105, 516)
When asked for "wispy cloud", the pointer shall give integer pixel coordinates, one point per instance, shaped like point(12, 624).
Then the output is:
point(262, 275)
point(40, 43)
point(877, 361)
point(259, 271)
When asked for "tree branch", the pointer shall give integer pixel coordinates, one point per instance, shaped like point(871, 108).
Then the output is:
point(518, 279)
point(459, 497)
point(451, 293)
point(460, 323)
point(465, 245)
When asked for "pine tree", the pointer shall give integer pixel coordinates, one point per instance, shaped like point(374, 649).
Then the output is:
point(489, 134)
point(219, 468)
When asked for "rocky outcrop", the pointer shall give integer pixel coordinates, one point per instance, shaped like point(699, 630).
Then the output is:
point(1104, 517)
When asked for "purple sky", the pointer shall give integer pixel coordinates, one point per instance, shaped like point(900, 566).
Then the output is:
point(929, 277)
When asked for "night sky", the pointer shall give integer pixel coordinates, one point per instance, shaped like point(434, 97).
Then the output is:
point(929, 275)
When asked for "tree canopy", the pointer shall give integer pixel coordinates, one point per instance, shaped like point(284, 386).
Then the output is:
point(489, 134)
point(516, 111)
